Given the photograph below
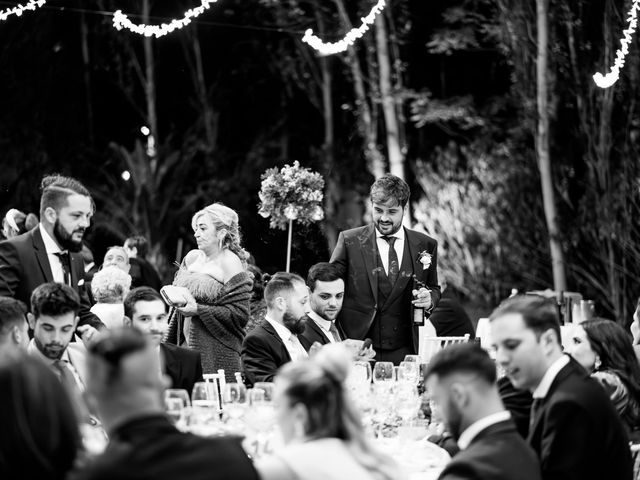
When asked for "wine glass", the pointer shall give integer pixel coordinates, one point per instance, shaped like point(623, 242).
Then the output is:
point(234, 398)
point(175, 402)
point(360, 373)
point(383, 372)
point(412, 358)
point(408, 372)
point(267, 387)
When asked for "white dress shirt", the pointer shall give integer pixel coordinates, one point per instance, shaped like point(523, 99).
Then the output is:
point(549, 376)
point(291, 342)
point(54, 262)
point(324, 325)
point(383, 247)
point(475, 428)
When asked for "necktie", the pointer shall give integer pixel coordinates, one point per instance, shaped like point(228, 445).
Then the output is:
point(393, 270)
point(66, 269)
point(297, 348)
point(535, 411)
point(73, 390)
point(334, 332)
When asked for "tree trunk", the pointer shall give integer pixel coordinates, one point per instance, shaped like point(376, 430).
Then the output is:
point(542, 147)
point(150, 92)
point(396, 158)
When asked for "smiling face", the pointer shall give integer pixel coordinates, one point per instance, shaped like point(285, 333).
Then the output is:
point(150, 317)
point(53, 334)
point(580, 348)
point(71, 221)
point(387, 216)
point(519, 350)
point(326, 298)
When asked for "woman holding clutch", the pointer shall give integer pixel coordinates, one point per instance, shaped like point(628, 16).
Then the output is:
point(217, 306)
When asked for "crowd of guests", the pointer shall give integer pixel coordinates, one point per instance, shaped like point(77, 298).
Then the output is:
point(101, 344)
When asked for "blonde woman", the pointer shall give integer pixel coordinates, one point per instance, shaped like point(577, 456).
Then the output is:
point(213, 319)
point(109, 286)
point(322, 430)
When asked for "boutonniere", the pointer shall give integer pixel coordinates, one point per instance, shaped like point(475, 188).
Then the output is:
point(425, 259)
point(81, 282)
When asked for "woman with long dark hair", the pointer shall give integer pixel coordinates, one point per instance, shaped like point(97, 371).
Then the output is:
point(604, 349)
point(39, 436)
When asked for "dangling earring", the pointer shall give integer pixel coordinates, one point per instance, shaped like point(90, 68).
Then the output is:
point(597, 363)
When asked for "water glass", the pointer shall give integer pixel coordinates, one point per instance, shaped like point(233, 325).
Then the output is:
point(360, 373)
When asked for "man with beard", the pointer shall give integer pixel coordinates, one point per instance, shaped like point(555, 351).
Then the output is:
point(145, 310)
point(326, 289)
point(380, 263)
point(461, 381)
point(50, 252)
point(275, 341)
point(53, 318)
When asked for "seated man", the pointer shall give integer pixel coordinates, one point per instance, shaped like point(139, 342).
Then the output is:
point(124, 380)
point(145, 310)
point(275, 341)
point(574, 429)
point(14, 330)
point(326, 292)
point(53, 318)
point(461, 380)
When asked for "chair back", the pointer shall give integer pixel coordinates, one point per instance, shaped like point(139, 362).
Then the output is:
point(429, 346)
point(218, 385)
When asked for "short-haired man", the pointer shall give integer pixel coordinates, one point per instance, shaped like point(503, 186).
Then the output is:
point(53, 319)
point(145, 310)
point(142, 273)
point(14, 330)
point(124, 380)
point(379, 263)
point(461, 381)
point(326, 292)
point(50, 252)
point(575, 429)
point(274, 341)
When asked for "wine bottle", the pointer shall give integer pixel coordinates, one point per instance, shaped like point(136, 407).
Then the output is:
point(417, 313)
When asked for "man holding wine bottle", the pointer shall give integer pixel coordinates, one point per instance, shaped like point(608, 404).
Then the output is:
point(390, 275)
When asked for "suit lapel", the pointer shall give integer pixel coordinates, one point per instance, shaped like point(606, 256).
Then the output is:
point(169, 361)
point(272, 331)
point(321, 337)
point(369, 249)
point(41, 255)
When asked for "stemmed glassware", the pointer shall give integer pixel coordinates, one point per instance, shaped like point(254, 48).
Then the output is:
point(234, 400)
point(176, 401)
point(383, 372)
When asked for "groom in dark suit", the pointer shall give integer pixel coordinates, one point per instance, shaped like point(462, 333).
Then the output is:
point(379, 263)
point(574, 427)
point(145, 310)
point(50, 252)
point(461, 382)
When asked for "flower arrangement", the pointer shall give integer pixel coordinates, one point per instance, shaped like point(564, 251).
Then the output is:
point(291, 193)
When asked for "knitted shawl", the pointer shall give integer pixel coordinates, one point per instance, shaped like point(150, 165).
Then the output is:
point(217, 330)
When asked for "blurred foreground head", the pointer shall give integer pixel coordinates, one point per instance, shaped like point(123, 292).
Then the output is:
point(39, 435)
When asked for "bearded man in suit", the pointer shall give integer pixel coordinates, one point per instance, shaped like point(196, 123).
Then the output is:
point(379, 263)
point(145, 310)
point(50, 252)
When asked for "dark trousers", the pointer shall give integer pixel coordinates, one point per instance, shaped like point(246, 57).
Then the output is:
point(396, 356)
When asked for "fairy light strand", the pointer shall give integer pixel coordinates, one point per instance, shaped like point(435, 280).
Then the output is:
point(120, 21)
point(605, 81)
point(349, 39)
point(18, 10)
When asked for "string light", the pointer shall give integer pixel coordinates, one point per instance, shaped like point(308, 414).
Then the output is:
point(120, 21)
point(18, 10)
point(349, 38)
point(605, 81)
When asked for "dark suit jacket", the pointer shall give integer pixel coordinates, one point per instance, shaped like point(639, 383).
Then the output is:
point(449, 317)
point(24, 265)
point(151, 448)
point(356, 255)
point(577, 432)
point(263, 352)
point(143, 274)
point(313, 333)
point(183, 365)
point(496, 453)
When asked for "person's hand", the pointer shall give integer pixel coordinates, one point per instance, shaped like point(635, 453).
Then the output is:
point(191, 307)
point(87, 334)
point(422, 298)
point(314, 348)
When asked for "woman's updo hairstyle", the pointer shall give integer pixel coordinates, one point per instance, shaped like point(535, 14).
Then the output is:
point(317, 383)
point(224, 218)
